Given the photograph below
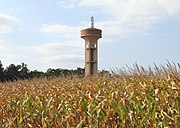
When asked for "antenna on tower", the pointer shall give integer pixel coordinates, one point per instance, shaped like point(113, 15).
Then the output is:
point(92, 22)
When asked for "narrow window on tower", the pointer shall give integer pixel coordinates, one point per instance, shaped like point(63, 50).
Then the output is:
point(87, 45)
point(92, 68)
point(92, 55)
point(94, 45)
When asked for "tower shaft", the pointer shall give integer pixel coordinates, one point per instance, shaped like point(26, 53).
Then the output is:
point(91, 36)
point(91, 55)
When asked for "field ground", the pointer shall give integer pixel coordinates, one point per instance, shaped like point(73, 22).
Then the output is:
point(126, 98)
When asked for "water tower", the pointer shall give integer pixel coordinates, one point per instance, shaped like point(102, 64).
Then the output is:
point(91, 36)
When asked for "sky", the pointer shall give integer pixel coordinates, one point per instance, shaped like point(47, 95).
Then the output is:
point(46, 33)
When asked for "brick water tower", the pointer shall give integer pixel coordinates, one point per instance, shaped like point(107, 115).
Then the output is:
point(91, 36)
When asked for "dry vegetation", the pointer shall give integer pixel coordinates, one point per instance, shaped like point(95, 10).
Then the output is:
point(128, 98)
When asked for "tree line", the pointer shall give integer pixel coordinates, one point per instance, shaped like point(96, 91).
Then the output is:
point(20, 72)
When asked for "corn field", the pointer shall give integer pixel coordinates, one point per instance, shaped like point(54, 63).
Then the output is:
point(125, 98)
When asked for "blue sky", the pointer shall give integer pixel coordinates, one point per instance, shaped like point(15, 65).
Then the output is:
point(46, 33)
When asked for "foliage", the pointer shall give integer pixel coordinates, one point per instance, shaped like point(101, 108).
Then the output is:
point(21, 72)
point(127, 98)
point(2, 74)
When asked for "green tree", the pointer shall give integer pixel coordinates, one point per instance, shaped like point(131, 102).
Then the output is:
point(12, 72)
point(24, 71)
point(2, 74)
point(79, 71)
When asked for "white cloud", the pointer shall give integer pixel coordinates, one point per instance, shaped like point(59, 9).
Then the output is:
point(70, 41)
point(5, 28)
point(63, 58)
point(7, 19)
point(172, 7)
point(9, 54)
point(52, 55)
point(64, 54)
point(57, 28)
point(7, 23)
point(129, 16)
point(55, 47)
point(128, 8)
point(63, 61)
point(69, 4)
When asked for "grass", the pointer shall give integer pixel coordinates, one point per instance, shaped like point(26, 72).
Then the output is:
point(132, 97)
